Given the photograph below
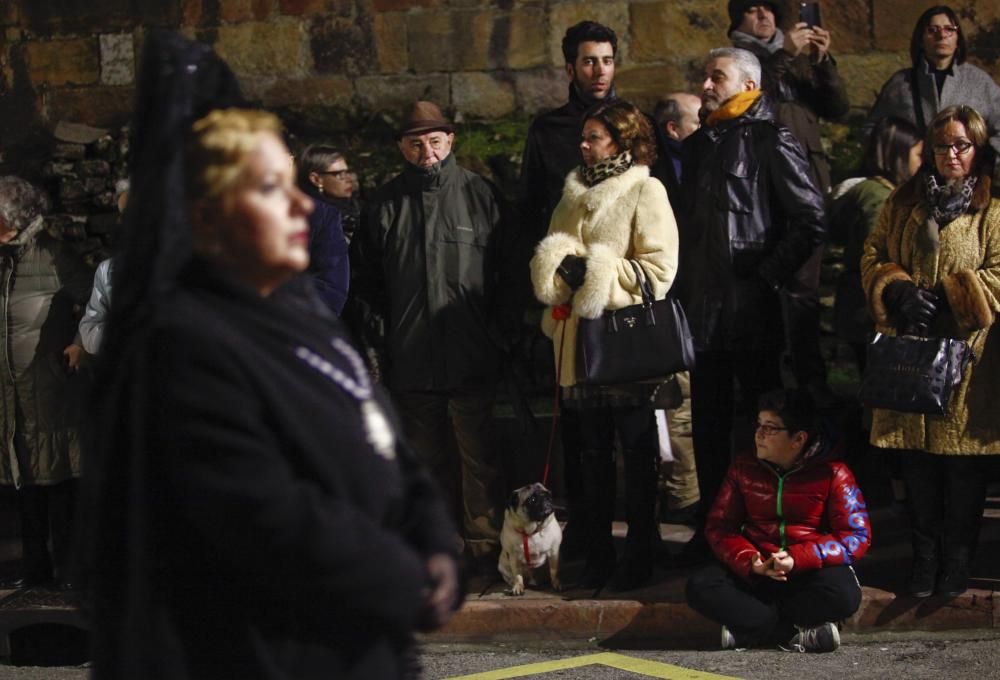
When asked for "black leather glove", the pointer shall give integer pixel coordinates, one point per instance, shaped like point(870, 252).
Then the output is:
point(573, 269)
point(913, 308)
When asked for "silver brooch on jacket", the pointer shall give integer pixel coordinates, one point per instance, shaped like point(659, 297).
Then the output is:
point(378, 430)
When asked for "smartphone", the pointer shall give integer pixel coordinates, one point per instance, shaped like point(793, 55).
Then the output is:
point(809, 13)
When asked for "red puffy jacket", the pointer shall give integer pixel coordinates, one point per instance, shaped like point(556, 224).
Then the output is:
point(814, 511)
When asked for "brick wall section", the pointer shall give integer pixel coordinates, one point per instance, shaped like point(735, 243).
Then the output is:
point(482, 58)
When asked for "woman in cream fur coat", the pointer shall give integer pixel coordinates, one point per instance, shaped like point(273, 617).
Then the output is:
point(612, 212)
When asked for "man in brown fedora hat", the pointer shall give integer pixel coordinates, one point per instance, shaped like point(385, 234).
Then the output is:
point(427, 260)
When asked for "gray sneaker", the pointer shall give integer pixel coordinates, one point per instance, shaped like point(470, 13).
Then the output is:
point(824, 638)
point(728, 641)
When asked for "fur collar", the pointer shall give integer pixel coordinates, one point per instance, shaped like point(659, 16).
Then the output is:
point(605, 193)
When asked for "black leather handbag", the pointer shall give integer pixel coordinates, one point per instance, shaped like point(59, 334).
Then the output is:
point(640, 342)
point(913, 374)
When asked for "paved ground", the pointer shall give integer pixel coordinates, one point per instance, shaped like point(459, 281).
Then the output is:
point(975, 656)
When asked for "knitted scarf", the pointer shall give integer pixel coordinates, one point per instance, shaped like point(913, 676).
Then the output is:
point(608, 167)
point(734, 107)
point(756, 45)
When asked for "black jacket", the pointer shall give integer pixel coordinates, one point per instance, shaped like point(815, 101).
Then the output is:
point(245, 526)
point(803, 93)
point(751, 217)
point(328, 261)
point(551, 151)
point(429, 259)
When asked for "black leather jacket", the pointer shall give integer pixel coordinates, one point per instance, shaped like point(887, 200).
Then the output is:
point(752, 217)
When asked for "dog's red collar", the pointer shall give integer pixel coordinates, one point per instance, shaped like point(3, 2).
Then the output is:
point(524, 543)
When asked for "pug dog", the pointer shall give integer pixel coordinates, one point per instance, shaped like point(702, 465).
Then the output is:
point(530, 536)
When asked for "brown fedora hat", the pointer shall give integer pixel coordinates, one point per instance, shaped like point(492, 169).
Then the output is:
point(423, 116)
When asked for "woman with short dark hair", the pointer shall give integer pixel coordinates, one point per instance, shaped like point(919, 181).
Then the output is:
point(939, 77)
point(612, 216)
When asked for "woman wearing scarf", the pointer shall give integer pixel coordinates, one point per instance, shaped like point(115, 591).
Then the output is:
point(939, 77)
point(612, 213)
point(931, 267)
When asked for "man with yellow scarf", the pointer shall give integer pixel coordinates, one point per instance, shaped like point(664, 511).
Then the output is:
point(752, 217)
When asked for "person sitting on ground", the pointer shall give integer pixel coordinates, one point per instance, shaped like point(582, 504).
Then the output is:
point(322, 174)
point(786, 527)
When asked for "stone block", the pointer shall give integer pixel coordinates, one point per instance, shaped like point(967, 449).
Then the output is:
point(58, 169)
point(668, 30)
point(332, 91)
point(234, 11)
point(865, 74)
point(63, 62)
point(849, 23)
point(104, 105)
point(342, 46)
point(645, 85)
point(541, 89)
point(893, 21)
point(271, 48)
point(93, 168)
point(192, 12)
point(71, 190)
point(300, 7)
point(117, 59)
point(612, 13)
point(402, 5)
point(392, 93)
point(390, 36)
point(482, 95)
point(526, 42)
point(450, 41)
point(77, 133)
point(429, 41)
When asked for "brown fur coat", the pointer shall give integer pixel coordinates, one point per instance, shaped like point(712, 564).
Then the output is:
point(966, 266)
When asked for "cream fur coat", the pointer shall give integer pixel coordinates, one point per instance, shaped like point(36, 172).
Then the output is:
point(627, 217)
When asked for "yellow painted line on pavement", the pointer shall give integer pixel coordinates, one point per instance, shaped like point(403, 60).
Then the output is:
point(652, 669)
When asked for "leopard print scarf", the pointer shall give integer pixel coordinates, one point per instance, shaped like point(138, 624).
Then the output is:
point(609, 167)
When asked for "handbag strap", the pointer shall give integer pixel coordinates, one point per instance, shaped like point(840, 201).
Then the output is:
point(645, 288)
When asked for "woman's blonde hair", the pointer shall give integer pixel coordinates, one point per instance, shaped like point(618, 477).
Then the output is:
point(218, 149)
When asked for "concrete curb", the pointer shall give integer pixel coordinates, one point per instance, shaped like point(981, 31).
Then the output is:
point(674, 624)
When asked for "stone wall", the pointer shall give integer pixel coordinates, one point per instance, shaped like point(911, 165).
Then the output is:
point(75, 60)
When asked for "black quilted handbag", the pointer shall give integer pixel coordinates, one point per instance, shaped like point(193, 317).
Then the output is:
point(640, 342)
point(913, 374)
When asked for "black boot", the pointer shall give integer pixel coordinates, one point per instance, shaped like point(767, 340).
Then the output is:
point(925, 565)
point(640, 511)
point(954, 578)
point(597, 476)
point(36, 567)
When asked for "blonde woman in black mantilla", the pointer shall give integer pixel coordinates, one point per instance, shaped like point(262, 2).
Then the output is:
point(612, 214)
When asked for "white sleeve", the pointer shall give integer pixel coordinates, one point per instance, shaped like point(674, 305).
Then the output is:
point(92, 323)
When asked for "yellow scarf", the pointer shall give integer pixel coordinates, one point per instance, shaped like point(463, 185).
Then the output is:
point(734, 107)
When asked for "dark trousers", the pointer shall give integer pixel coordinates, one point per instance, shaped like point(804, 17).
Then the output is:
point(636, 430)
point(713, 404)
point(47, 512)
point(429, 419)
point(765, 611)
point(946, 496)
point(801, 311)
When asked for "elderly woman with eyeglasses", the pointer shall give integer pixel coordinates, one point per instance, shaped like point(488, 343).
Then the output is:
point(786, 527)
point(931, 267)
point(939, 77)
point(324, 176)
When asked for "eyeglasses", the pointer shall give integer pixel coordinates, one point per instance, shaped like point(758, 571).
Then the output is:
point(960, 148)
point(946, 31)
point(335, 173)
point(768, 430)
